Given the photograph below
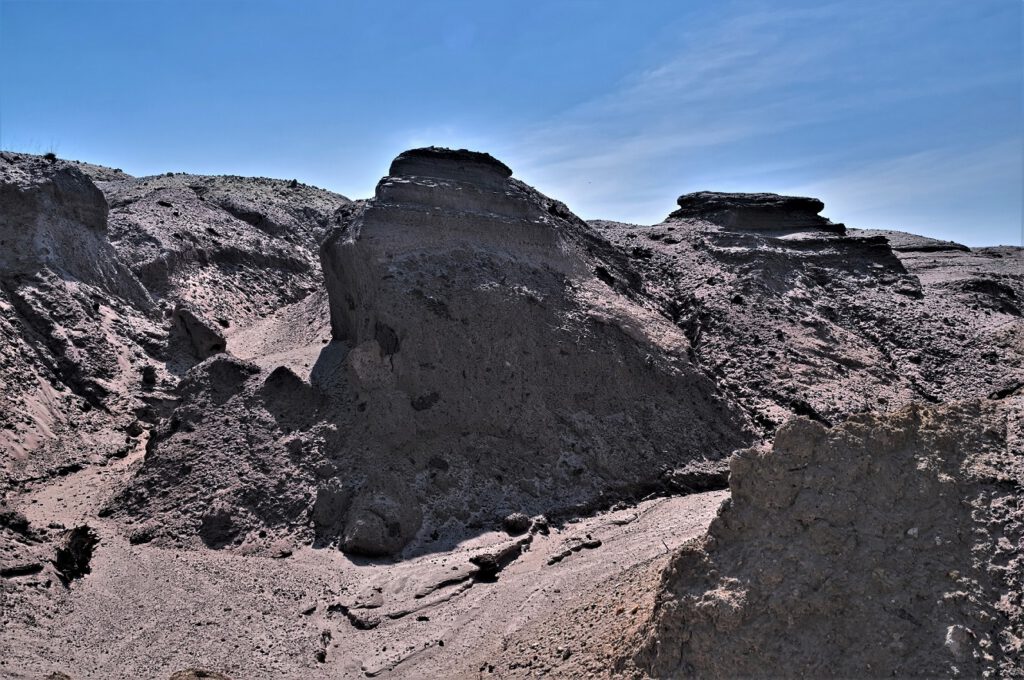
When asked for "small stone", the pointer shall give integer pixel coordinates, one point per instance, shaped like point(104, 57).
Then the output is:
point(516, 523)
point(957, 640)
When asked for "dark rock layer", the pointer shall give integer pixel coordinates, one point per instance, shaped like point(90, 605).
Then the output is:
point(755, 211)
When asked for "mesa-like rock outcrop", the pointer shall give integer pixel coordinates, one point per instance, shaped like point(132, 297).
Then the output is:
point(508, 420)
point(755, 211)
point(794, 318)
point(484, 331)
point(488, 358)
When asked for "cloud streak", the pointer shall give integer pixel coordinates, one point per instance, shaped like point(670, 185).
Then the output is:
point(889, 193)
point(722, 103)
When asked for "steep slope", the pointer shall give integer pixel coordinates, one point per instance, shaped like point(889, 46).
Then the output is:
point(889, 545)
point(104, 308)
point(485, 361)
point(74, 321)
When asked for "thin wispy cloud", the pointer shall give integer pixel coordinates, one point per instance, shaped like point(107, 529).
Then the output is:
point(884, 194)
point(615, 109)
point(748, 81)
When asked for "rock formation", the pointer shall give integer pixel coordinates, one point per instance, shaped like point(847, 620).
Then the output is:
point(63, 292)
point(482, 364)
point(755, 212)
point(508, 420)
point(481, 333)
point(806, 321)
point(888, 545)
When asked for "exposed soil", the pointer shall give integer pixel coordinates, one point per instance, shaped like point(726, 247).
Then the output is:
point(253, 429)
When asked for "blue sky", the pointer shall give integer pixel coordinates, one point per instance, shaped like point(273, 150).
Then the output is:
point(898, 114)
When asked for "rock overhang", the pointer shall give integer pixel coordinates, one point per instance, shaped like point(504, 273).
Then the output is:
point(755, 211)
point(450, 164)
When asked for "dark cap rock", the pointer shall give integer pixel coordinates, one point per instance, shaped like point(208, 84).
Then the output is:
point(451, 164)
point(755, 211)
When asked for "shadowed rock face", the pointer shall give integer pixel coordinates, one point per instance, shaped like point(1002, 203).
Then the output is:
point(755, 211)
point(886, 546)
point(491, 355)
point(480, 331)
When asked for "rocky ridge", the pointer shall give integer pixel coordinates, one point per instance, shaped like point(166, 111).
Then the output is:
point(807, 321)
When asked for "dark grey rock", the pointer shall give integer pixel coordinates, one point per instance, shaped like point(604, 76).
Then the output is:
point(755, 211)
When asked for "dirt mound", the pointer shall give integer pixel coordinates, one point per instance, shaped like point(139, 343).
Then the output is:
point(888, 545)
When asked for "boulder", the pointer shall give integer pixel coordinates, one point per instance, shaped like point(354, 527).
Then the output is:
point(381, 522)
point(203, 337)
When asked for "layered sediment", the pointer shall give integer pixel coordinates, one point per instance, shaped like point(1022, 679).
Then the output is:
point(755, 211)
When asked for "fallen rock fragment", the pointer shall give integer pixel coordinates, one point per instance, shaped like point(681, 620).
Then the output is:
point(380, 522)
point(516, 523)
point(490, 563)
point(574, 545)
point(74, 554)
point(360, 618)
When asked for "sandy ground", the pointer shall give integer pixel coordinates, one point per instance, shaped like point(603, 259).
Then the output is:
point(146, 612)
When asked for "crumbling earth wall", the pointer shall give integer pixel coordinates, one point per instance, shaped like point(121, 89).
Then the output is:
point(887, 545)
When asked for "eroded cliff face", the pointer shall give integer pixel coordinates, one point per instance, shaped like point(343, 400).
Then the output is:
point(232, 249)
point(486, 330)
point(114, 286)
point(888, 545)
point(63, 293)
point(485, 361)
